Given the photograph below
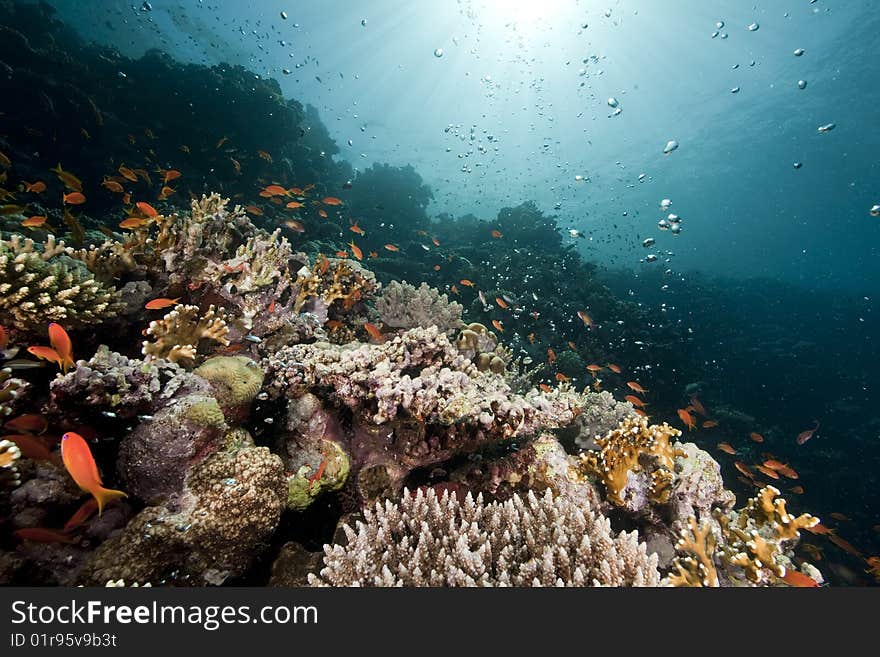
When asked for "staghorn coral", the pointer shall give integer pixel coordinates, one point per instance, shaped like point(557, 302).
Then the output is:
point(527, 541)
point(697, 568)
point(38, 286)
point(127, 387)
point(177, 334)
point(402, 305)
point(631, 448)
point(9, 455)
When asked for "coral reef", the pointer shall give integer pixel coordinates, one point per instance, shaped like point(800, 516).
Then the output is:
point(177, 335)
point(9, 455)
point(8, 391)
point(402, 305)
point(415, 401)
point(232, 504)
point(111, 382)
point(698, 568)
point(235, 381)
point(532, 541)
point(42, 285)
point(630, 449)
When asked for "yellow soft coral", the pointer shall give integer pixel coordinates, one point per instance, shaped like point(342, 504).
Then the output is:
point(178, 333)
point(620, 454)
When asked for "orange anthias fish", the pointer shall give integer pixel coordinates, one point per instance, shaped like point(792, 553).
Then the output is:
point(632, 385)
point(45, 353)
point(127, 173)
point(70, 181)
point(43, 535)
point(804, 436)
point(81, 465)
point(322, 213)
point(331, 200)
point(797, 490)
point(355, 249)
point(254, 210)
point(708, 424)
point(60, 342)
point(391, 247)
point(498, 325)
point(572, 346)
point(31, 447)
point(159, 304)
point(562, 378)
point(758, 438)
point(767, 471)
point(35, 187)
point(374, 332)
point(798, 579)
point(171, 174)
point(265, 156)
point(295, 226)
point(165, 192)
point(4, 337)
point(276, 190)
point(112, 186)
point(551, 356)
point(29, 423)
point(146, 209)
point(34, 222)
point(501, 303)
point(787, 471)
point(545, 387)
point(687, 418)
point(593, 368)
point(83, 513)
point(742, 467)
point(497, 234)
point(585, 318)
point(727, 448)
point(134, 222)
point(845, 545)
point(466, 283)
point(614, 368)
point(635, 401)
point(295, 205)
point(74, 198)
point(697, 406)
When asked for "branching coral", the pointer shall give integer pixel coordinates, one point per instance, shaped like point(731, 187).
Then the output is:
point(697, 568)
point(429, 541)
point(633, 447)
point(8, 391)
point(111, 259)
point(9, 454)
point(757, 535)
point(38, 286)
point(177, 334)
point(329, 281)
point(402, 305)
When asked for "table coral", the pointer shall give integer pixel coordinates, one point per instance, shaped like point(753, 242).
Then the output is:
point(427, 540)
point(38, 286)
point(177, 334)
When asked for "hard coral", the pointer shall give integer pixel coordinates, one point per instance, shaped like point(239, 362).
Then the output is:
point(631, 448)
point(402, 305)
point(177, 334)
point(38, 286)
point(9, 454)
point(330, 281)
point(427, 540)
point(698, 567)
point(8, 391)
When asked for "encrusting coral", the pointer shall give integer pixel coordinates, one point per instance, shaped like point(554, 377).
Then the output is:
point(402, 305)
point(427, 540)
point(177, 335)
point(38, 286)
